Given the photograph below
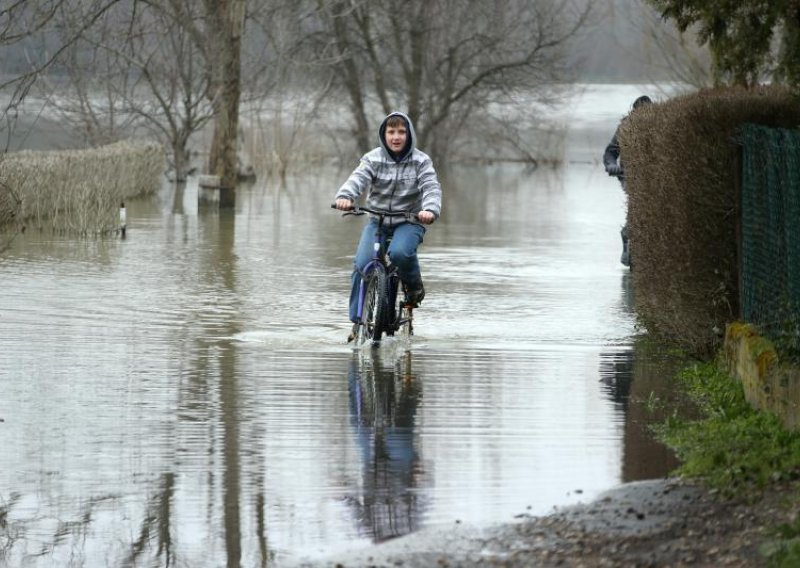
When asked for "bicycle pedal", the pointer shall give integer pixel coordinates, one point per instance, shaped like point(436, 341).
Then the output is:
point(353, 334)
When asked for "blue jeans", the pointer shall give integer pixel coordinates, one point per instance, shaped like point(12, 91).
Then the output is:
point(406, 237)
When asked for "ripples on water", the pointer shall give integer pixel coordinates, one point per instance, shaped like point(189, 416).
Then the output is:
point(185, 397)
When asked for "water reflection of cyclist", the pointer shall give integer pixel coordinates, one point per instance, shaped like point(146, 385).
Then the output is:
point(397, 177)
point(614, 167)
point(383, 405)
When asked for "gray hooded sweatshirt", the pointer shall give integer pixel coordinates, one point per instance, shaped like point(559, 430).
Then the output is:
point(406, 182)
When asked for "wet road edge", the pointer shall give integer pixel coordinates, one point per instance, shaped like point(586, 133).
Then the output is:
point(631, 510)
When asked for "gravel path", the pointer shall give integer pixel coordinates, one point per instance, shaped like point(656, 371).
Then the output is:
point(648, 523)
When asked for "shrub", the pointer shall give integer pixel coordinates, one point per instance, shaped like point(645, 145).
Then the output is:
point(731, 446)
point(77, 190)
point(680, 158)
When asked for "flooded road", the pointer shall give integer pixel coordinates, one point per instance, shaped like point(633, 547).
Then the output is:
point(184, 397)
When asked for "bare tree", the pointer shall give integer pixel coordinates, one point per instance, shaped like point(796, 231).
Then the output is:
point(22, 20)
point(176, 64)
point(172, 91)
point(84, 92)
point(444, 60)
point(670, 52)
point(215, 28)
point(285, 88)
point(134, 69)
point(176, 77)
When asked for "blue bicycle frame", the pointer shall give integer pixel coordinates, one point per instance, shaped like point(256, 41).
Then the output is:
point(388, 316)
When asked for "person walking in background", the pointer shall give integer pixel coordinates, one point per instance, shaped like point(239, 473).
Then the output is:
point(396, 176)
point(614, 166)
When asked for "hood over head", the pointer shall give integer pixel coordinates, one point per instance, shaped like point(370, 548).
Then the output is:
point(410, 142)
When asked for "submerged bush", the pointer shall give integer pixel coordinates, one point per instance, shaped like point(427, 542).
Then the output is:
point(77, 190)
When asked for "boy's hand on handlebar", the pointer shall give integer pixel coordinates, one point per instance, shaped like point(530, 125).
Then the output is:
point(426, 217)
point(343, 204)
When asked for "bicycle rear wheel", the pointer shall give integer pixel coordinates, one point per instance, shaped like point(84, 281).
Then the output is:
point(405, 316)
point(376, 307)
point(405, 322)
point(399, 315)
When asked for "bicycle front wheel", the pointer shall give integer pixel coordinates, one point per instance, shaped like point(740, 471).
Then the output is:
point(376, 307)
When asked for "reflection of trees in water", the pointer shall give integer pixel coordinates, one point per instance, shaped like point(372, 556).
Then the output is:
point(8, 532)
point(208, 394)
point(156, 526)
point(24, 542)
point(383, 404)
point(68, 518)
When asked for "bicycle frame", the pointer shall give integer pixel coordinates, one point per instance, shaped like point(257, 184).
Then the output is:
point(399, 316)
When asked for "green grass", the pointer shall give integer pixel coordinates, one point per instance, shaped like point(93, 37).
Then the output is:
point(783, 551)
point(734, 449)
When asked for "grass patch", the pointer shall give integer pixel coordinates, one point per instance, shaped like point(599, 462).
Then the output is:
point(729, 446)
point(784, 550)
point(734, 449)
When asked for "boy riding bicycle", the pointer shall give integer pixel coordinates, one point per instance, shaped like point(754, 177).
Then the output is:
point(397, 177)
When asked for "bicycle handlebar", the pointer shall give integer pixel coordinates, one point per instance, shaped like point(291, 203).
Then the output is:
point(361, 210)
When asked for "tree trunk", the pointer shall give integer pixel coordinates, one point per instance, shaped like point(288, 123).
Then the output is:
point(225, 24)
point(350, 75)
point(181, 158)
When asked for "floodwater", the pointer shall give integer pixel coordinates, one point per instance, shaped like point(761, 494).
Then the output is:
point(184, 397)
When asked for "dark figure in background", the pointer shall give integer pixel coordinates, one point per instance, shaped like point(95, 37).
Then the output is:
point(614, 167)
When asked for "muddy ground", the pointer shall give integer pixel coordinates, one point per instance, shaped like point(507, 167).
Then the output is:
point(649, 523)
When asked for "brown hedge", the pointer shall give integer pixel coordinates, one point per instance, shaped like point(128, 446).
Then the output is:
point(680, 158)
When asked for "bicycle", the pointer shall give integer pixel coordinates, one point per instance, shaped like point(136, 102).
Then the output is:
point(381, 309)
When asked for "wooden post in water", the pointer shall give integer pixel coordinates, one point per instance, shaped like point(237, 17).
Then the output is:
point(123, 219)
point(210, 191)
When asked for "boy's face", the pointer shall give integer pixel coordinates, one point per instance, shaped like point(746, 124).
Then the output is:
point(396, 137)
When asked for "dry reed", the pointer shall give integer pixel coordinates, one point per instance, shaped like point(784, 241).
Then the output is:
point(77, 191)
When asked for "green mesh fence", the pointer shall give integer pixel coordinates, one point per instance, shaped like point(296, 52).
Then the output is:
point(770, 232)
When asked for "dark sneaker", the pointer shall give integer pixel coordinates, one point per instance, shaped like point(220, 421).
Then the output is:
point(414, 296)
